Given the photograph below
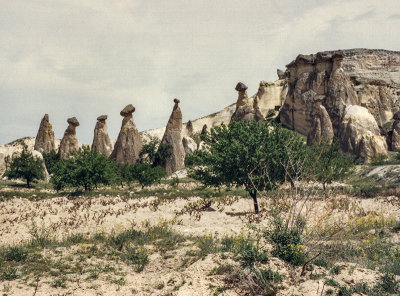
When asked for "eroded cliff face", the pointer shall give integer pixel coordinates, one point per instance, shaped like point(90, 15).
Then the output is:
point(339, 79)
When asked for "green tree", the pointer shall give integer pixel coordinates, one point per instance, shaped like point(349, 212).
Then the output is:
point(330, 163)
point(25, 166)
point(252, 154)
point(84, 168)
point(155, 153)
point(147, 174)
point(50, 160)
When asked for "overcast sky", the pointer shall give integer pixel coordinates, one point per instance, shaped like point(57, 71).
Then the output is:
point(85, 58)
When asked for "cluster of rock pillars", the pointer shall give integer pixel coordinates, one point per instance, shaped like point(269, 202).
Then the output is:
point(349, 95)
point(129, 142)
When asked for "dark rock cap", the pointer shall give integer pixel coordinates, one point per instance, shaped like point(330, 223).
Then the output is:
point(240, 86)
point(128, 110)
point(102, 117)
point(46, 117)
point(396, 116)
point(73, 121)
point(176, 101)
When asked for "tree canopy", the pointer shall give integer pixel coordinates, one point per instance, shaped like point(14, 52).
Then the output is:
point(256, 155)
point(25, 166)
point(84, 168)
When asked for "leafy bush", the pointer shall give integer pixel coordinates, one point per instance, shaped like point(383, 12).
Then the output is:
point(250, 253)
point(155, 153)
point(84, 168)
point(25, 166)
point(9, 274)
point(16, 254)
point(287, 242)
point(330, 164)
point(367, 190)
point(148, 175)
point(138, 257)
point(379, 159)
point(50, 160)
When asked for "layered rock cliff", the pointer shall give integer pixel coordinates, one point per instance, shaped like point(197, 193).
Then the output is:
point(339, 79)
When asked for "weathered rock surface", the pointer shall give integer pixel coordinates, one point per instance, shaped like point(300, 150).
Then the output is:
point(129, 143)
point(101, 140)
point(69, 142)
point(322, 126)
point(360, 134)
point(44, 142)
point(245, 109)
point(189, 145)
point(369, 78)
point(395, 136)
point(173, 137)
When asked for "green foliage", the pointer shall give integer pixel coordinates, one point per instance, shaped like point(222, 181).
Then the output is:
point(174, 182)
point(267, 276)
point(148, 175)
point(155, 153)
point(25, 166)
point(250, 154)
point(379, 159)
point(330, 164)
point(287, 242)
point(138, 257)
point(50, 160)
point(162, 155)
point(9, 274)
point(16, 253)
point(250, 253)
point(84, 168)
point(197, 139)
point(388, 283)
point(321, 262)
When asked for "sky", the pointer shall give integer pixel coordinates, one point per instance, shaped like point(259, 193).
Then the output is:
point(86, 58)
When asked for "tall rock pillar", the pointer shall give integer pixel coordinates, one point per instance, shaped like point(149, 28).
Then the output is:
point(129, 143)
point(44, 142)
point(69, 142)
point(173, 137)
point(101, 140)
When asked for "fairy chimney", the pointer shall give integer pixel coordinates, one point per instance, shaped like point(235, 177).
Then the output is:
point(101, 140)
point(44, 142)
point(129, 143)
point(173, 137)
point(69, 142)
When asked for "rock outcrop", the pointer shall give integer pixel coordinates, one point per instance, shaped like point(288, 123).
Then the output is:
point(129, 143)
point(189, 128)
point(69, 142)
point(44, 142)
point(101, 140)
point(395, 135)
point(312, 78)
point(322, 129)
point(173, 137)
point(245, 108)
point(360, 134)
point(368, 78)
point(189, 145)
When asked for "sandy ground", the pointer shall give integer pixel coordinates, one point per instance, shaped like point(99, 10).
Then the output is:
point(105, 214)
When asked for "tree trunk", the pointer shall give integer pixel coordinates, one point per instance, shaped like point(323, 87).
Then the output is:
point(86, 187)
point(28, 183)
point(253, 194)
